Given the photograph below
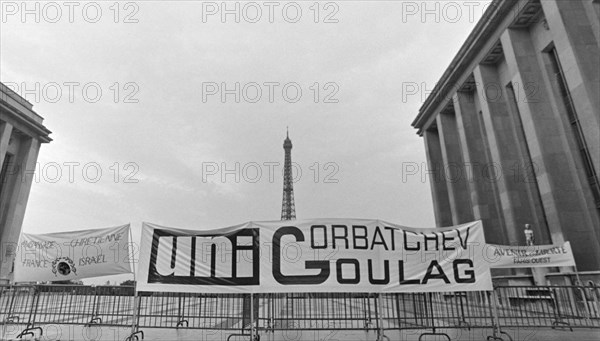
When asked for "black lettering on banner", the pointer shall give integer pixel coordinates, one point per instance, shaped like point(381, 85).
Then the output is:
point(392, 236)
point(213, 260)
point(463, 243)
point(193, 266)
point(362, 237)
point(470, 273)
point(211, 257)
point(446, 238)
point(408, 248)
point(312, 237)
point(173, 253)
point(343, 237)
point(185, 257)
point(430, 275)
point(338, 269)
point(386, 273)
point(298, 279)
point(381, 240)
point(427, 238)
point(405, 281)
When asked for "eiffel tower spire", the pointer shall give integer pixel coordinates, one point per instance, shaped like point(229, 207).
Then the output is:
point(288, 208)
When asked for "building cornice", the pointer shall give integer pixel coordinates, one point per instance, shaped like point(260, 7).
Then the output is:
point(484, 29)
point(19, 112)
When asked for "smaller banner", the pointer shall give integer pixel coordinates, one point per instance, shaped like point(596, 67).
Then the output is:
point(536, 256)
point(73, 255)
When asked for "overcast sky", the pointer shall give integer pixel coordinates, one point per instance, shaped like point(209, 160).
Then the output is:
point(161, 132)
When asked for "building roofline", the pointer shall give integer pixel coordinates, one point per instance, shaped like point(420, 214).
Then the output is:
point(12, 94)
point(21, 111)
point(483, 29)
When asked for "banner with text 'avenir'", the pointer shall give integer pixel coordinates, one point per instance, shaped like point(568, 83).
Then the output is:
point(321, 255)
point(73, 255)
point(534, 256)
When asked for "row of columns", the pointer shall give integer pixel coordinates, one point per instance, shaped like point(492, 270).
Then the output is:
point(15, 191)
point(524, 135)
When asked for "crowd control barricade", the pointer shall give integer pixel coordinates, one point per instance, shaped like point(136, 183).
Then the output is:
point(19, 305)
point(39, 305)
point(317, 311)
point(246, 316)
point(436, 310)
point(431, 312)
point(84, 305)
point(548, 306)
point(15, 303)
point(190, 310)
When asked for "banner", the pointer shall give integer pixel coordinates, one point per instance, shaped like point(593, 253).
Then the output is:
point(535, 256)
point(322, 255)
point(73, 255)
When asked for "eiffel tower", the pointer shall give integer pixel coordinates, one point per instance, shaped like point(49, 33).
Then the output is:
point(288, 209)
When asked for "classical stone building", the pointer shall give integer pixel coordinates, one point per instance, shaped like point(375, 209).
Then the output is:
point(21, 134)
point(512, 128)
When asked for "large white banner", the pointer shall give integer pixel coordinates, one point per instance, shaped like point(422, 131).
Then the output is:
point(322, 255)
point(73, 255)
point(535, 256)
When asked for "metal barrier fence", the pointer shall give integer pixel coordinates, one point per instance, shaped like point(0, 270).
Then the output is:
point(174, 310)
point(247, 315)
point(555, 306)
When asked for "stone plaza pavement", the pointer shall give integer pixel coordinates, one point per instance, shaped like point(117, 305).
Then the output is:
point(77, 333)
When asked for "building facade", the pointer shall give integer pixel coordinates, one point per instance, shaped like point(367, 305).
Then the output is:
point(512, 128)
point(21, 135)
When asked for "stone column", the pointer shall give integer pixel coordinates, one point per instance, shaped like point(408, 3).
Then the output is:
point(505, 143)
point(568, 214)
point(454, 166)
point(5, 132)
point(592, 9)
point(439, 189)
point(573, 35)
point(17, 202)
point(482, 184)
